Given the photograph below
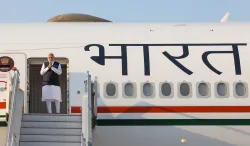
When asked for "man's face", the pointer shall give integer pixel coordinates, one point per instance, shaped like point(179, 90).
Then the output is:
point(50, 58)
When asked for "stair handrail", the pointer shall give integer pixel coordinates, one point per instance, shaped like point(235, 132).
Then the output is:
point(87, 114)
point(11, 136)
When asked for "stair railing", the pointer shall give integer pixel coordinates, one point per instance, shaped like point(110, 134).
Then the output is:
point(87, 113)
point(15, 112)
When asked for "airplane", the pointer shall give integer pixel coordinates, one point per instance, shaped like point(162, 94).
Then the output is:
point(226, 17)
point(156, 83)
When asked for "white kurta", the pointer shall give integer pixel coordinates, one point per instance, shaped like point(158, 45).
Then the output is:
point(51, 92)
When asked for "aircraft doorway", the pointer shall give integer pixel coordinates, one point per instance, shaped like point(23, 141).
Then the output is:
point(35, 105)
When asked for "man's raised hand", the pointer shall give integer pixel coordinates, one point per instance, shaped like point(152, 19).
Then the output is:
point(50, 64)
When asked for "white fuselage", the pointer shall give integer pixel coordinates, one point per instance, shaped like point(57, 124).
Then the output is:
point(147, 53)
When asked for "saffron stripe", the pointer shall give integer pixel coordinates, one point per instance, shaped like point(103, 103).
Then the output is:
point(172, 122)
point(2, 105)
point(168, 109)
point(75, 109)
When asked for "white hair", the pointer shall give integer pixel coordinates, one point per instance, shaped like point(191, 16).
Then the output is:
point(51, 54)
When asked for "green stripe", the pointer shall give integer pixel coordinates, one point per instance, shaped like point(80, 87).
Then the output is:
point(3, 124)
point(170, 122)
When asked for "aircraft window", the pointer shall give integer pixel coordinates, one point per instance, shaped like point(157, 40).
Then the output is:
point(222, 89)
point(185, 89)
point(240, 89)
point(166, 89)
point(203, 89)
point(129, 90)
point(148, 90)
point(111, 90)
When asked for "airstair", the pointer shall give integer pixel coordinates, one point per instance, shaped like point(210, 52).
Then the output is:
point(50, 130)
point(26, 129)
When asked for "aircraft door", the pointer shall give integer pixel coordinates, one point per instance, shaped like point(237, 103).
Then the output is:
point(35, 90)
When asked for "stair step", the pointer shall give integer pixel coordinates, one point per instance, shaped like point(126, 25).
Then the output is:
point(49, 144)
point(51, 131)
point(52, 117)
point(38, 124)
point(50, 138)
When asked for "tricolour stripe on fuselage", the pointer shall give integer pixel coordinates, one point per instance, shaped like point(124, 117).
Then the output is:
point(168, 109)
point(172, 115)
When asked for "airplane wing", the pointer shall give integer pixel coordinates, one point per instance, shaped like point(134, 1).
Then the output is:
point(225, 18)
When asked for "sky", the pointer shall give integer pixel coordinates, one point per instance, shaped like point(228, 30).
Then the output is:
point(127, 10)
